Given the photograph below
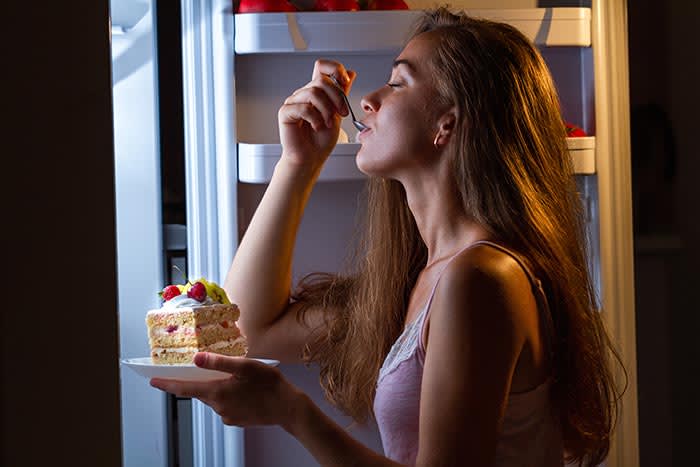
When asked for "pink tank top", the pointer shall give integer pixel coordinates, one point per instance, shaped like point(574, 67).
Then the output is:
point(530, 434)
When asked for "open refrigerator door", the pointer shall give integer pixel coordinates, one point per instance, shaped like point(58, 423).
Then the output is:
point(138, 221)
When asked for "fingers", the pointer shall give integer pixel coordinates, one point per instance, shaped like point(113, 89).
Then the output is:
point(352, 75)
point(314, 104)
point(214, 361)
point(181, 388)
point(323, 69)
point(319, 102)
point(332, 68)
point(210, 393)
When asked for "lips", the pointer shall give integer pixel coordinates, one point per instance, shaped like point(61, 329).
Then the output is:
point(360, 135)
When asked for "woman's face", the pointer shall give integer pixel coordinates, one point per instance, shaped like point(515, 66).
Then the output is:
point(402, 116)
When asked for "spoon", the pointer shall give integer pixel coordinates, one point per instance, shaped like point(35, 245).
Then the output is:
point(358, 124)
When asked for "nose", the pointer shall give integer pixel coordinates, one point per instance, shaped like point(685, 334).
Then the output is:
point(370, 102)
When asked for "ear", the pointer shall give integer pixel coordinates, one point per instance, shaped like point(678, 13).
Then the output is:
point(445, 127)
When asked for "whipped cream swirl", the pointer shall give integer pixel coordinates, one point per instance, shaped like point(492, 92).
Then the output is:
point(183, 301)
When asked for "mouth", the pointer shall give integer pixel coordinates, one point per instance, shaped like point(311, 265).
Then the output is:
point(361, 134)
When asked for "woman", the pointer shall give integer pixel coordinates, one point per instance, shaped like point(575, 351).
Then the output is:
point(469, 326)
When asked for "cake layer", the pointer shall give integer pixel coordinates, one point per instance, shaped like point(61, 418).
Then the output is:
point(192, 317)
point(234, 347)
point(177, 336)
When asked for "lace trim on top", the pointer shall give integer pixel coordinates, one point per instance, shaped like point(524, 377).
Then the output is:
point(404, 347)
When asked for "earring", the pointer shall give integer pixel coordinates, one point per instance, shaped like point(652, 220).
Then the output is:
point(435, 141)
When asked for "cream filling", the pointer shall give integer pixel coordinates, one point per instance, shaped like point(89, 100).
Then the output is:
point(214, 346)
point(189, 330)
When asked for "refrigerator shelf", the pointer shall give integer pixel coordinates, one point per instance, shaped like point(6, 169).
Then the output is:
point(582, 151)
point(385, 31)
point(256, 162)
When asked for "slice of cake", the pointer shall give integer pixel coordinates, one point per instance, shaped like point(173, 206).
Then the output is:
point(195, 317)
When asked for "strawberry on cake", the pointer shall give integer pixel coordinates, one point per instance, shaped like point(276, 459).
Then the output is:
point(195, 317)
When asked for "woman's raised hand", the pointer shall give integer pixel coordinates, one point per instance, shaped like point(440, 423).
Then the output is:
point(309, 119)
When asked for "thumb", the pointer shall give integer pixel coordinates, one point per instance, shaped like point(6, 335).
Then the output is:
point(351, 77)
point(213, 361)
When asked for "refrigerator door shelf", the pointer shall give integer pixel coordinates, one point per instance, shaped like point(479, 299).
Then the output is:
point(385, 31)
point(256, 162)
point(582, 150)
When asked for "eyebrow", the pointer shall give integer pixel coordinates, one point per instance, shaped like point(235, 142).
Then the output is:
point(405, 62)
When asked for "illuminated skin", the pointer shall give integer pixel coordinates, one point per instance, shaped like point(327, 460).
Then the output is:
point(483, 325)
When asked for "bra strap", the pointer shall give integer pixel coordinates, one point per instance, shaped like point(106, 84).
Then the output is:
point(540, 296)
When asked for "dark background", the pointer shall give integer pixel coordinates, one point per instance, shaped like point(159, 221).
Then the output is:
point(60, 380)
point(60, 387)
point(664, 63)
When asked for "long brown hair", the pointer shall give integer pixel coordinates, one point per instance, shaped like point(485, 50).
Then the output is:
point(512, 174)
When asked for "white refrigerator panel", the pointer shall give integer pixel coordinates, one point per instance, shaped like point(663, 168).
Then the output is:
point(325, 234)
point(138, 207)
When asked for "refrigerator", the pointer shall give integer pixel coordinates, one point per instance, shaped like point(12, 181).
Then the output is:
point(236, 71)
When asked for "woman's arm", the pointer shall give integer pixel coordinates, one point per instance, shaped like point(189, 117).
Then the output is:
point(259, 278)
point(480, 319)
point(257, 394)
point(330, 444)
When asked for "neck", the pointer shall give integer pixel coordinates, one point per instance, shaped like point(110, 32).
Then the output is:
point(443, 225)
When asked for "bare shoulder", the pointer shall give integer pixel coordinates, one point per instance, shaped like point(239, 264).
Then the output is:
point(484, 287)
point(473, 339)
point(484, 269)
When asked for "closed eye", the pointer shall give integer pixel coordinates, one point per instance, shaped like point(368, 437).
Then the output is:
point(393, 85)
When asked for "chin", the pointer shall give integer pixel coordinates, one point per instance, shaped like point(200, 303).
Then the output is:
point(367, 167)
point(371, 165)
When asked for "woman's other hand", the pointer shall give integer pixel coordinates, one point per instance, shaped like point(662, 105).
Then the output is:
point(309, 119)
point(254, 394)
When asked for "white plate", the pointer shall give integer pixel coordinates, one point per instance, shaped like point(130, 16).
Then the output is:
point(184, 371)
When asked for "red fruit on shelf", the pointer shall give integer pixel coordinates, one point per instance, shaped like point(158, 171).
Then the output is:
point(264, 6)
point(387, 5)
point(169, 292)
point(197, 292)
point(336, 5)
point(573, 131)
